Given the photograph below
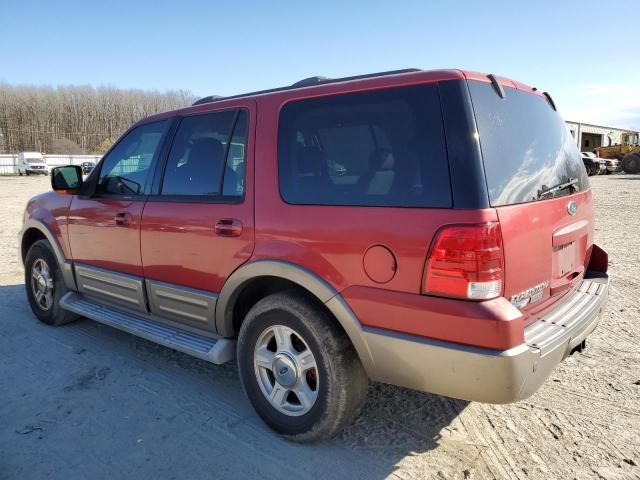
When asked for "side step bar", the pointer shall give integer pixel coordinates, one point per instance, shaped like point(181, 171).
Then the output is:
point(214, 350)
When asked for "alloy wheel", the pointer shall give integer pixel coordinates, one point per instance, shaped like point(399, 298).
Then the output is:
point(286, 370)
point(42, 284)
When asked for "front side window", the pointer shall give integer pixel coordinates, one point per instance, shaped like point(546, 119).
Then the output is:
point(380, 148)
point(126, 168)
point(207, 157)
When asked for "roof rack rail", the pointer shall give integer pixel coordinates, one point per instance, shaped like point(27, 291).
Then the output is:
point(307, 82)
point(209, 99)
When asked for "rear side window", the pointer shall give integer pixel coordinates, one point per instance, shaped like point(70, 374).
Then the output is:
point(380, 148)
point(207, 156)
point(526, 147)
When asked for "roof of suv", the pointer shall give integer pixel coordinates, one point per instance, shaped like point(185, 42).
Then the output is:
point(321, 80)
point(320, 85)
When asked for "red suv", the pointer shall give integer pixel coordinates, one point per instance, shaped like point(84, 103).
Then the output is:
point(429, 229)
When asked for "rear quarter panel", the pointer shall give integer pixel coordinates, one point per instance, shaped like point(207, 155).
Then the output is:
point(331, 241)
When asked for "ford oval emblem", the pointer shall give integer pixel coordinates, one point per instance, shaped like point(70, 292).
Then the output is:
point(572, 208)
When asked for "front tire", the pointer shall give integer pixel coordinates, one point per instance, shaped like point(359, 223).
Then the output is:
point(44, 285)
point(299, 369)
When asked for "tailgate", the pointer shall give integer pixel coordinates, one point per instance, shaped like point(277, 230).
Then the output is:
point(538, 185)
point(546, 248)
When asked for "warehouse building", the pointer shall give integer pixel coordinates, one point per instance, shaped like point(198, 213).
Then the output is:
point(589, 136)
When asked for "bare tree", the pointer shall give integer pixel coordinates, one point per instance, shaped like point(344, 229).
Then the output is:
point(76, 119)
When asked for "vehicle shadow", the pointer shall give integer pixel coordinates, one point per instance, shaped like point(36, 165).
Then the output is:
point(154, 384)
point(625, 178)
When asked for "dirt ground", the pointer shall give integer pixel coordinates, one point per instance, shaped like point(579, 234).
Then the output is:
point(87, 401)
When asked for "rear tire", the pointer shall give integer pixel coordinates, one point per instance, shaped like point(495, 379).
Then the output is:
point(299, 369)
point(44, 285)
point(631, 163)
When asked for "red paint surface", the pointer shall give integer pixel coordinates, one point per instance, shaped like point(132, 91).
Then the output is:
point(492, 324)
point(180, 246)
point(52, 208)
point(96, 239)
point(528, 235)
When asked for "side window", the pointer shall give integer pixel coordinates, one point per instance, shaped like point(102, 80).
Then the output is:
point(126, 168)
point(202, 161)
point(381, 148)
point(234, 176)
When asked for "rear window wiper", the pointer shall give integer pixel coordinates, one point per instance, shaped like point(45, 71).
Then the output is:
point(545, 191)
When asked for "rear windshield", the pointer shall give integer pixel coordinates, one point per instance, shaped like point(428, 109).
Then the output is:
point(526, 147)
point(381, 148)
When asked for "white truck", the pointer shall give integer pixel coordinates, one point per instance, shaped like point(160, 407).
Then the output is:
point(32, 163)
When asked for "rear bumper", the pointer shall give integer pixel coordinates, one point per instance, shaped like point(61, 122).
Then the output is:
point(492, 376)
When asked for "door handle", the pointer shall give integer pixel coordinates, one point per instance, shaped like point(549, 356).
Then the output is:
point(228, 227)
point(123, 219)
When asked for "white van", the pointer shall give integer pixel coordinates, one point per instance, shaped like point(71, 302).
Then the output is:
point(32, 163)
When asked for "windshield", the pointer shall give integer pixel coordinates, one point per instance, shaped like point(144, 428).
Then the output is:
point(34, 160)
point(526, 146)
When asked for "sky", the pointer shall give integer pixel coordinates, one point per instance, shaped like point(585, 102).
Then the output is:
point(578, 50)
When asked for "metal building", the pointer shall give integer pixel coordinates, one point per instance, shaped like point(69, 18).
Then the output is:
point(589, 136)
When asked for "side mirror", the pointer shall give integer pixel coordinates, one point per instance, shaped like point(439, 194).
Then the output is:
point(66, 179)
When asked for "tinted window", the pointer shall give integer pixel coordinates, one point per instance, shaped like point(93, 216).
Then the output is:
point(526, 146)
point(381, 148)
point(236, 158)
point(126, 168)
point(196, 163)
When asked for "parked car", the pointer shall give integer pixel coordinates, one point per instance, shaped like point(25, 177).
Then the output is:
point(613, 165)
point(593, 164)
point(87, 167)
point(32, 163)
point(447, 255)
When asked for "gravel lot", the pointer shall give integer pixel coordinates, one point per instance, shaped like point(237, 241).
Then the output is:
point(87, 401)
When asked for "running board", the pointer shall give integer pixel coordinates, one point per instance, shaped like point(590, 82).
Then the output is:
point(214, 350)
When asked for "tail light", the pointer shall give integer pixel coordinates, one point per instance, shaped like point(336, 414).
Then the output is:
point(466, 261)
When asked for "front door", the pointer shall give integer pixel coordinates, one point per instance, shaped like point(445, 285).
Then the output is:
point(198, 227)
point(104, 229)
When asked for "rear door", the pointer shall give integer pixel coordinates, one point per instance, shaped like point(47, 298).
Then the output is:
point(198, 226)
point(548, 233)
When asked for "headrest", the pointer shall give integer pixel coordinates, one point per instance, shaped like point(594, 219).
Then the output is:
point(381, 159)
point(206, 148)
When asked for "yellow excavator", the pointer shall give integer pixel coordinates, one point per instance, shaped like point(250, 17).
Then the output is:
point(628, 151)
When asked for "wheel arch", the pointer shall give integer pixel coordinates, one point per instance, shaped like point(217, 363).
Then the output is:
point(34, 230)
point(287, 274)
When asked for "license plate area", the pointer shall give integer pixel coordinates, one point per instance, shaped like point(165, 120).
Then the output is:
point(565, 260)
